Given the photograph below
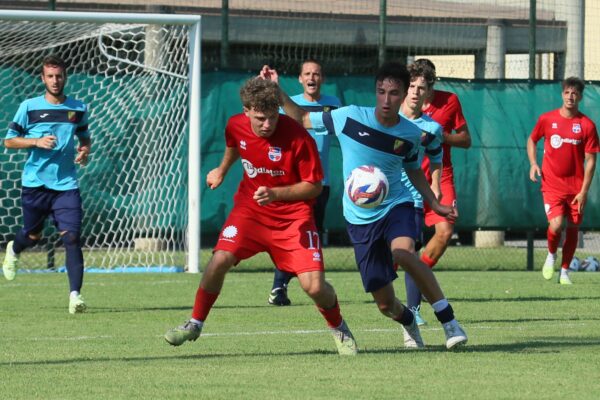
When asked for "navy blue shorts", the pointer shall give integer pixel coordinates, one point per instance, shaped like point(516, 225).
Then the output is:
point(372, 245)
point(419, 221)
point(64, 207)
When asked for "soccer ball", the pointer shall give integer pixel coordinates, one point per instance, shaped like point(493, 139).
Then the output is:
point(367, 186)
point(575, 264)
point(590, 264)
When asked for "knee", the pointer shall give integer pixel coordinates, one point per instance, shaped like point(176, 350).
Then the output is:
point(444, 232)
point(71, 239)
point(403, 257)
point(221, 261)
point(314, 289)
point(386, 308)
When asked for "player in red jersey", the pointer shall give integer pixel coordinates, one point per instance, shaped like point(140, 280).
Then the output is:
point(445, 109)
point(570, 147)
point(272, 209)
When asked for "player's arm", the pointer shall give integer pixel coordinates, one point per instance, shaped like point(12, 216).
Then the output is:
point(417, 178)
point(215, 177)
point(436, 176)
point(460, 138)
point(296, 192)
point(291, 109)
point(534, 168)
point(588, 175)
point(45, 142)
point(83, 151)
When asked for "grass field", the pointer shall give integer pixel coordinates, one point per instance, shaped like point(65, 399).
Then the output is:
point(528, 339)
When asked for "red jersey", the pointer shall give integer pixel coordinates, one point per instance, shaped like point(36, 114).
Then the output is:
point(445, 109)
point(566, 140)
point(289, 156)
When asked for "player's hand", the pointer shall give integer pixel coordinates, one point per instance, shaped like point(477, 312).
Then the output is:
point(269, 74)
point(83, 154)
point(214, 178)
point(449, 212)
point(46, 142)
point(534, 172)
point(264, 195)
point(580, 199)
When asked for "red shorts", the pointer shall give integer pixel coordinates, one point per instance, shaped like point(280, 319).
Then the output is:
point(448, 199)
point(556, 205)
point(294, 245)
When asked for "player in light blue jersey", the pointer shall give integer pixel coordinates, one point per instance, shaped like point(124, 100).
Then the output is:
point(421, 80)
point(384, 235)
point(46, 126)
point(311, 78)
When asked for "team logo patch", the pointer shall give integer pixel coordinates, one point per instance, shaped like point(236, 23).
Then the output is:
point(72, 116)
point(316, 256)
point(576, 128)
point(554, 125)
point(555, 141)
point(274, 153)
point(398, 144)
point(326, 108)
point(229, 233)
point(243, 144)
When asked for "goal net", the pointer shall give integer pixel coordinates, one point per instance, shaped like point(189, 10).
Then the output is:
point(137, 74)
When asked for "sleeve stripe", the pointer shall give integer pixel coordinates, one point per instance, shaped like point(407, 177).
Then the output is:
point(328, 122)
point(434, 152)
point(17, 128)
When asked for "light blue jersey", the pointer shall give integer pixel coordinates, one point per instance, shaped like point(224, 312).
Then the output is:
point(36, 118)
point(431, 144)
point(325, 103)
point(364, 141)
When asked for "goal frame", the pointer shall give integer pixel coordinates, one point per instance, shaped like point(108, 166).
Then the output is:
point(194, 21)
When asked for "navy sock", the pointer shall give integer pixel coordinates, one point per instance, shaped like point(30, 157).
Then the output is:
point(74, 257)
point(281, 279)
point(407, 317)
point(413, 294)
point(22, 241)
point(446, 315)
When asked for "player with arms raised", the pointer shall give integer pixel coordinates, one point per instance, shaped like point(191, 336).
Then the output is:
point(272, 209)
point(569, 162)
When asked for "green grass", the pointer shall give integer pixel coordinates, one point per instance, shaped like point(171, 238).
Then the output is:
point(528, 339)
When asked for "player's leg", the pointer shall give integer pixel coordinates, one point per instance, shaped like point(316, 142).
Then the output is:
point(67, 215)
point(399, 232)
point(574, 219)
point(555, 211)
point(207, 293)
point(413, 294)
point(437, 245)
point(36, 206)
point(278, 295)
point(296, 249)
point(242, 236)
point(377, 271)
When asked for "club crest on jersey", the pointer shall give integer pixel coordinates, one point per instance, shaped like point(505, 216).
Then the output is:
point(274, 153)
point(72, 116)
point(576, 128)
point(398, 146)
point(243, 144)
point(554, 125)
point(326, 108)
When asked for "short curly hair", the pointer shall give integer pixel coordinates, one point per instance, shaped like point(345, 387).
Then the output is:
point(422, 71)
point(261, 95)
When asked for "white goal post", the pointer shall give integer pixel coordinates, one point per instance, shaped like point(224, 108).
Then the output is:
point(139, 74)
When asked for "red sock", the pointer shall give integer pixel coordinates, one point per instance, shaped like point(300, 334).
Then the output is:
point(568, 250)
point(203, 304)
point(332, 315)
point(430, 262)
point(553, 239)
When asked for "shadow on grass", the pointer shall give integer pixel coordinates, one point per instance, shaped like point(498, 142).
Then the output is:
point(546, 345)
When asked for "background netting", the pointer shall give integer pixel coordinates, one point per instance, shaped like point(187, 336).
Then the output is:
point(134, 79)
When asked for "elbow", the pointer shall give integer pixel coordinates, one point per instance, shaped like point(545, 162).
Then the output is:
point(316, 189)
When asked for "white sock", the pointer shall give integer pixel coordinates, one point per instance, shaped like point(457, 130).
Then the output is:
point(194, 321)
point(551, 256)
point(564, 271)
point(74, 293)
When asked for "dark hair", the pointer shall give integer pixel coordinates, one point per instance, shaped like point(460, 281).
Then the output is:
point(421, 70)
point(394, 71)
point(575, 82)
point(261, 95)
point(53, 61)
point(426, 62)
point(310, 60)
